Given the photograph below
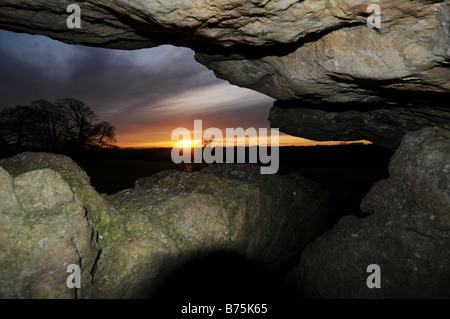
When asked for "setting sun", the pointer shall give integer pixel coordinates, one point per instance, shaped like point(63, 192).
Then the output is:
point(186, 143)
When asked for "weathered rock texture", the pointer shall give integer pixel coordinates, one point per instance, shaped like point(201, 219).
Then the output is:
point(138, 24)
point(179, 216)
point(310, 51)
point(106, 218)
point(51, 217)
point(407, 233)
point(112, 229)
point(43, 230)
point(352, 63)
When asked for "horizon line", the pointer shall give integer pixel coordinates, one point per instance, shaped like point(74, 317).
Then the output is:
point(325, 143)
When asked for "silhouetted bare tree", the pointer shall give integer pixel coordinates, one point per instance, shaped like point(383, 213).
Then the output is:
point(104, 135)
point(80, 121)
point(48, 128)
point(69, 124)
point(14, 127)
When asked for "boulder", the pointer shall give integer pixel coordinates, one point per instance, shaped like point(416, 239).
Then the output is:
point(177, 217)
point(106, 218)
point(43, 230)
point(109, 226)
point(407, 233)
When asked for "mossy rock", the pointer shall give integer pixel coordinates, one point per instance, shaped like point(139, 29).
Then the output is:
point(43, 229)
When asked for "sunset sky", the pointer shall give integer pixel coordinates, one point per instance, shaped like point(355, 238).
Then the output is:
point(144, 93)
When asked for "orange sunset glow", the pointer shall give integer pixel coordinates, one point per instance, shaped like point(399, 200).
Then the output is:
point(284, 140)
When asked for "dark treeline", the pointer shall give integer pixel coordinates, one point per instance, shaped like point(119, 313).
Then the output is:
point(66, 126)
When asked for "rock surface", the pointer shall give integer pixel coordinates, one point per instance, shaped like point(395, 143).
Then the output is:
point(106, 218)
point(352, 63)
point(180, 216)
point(137, 24)
point(43, 230)
point(112, 228)
point(407, 233)
point(147, 232)
point(385, 127)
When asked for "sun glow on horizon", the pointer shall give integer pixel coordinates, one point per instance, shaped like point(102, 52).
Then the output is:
point(284, 140)
point(184, 144)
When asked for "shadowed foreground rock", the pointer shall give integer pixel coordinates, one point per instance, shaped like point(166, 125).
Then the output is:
point(407, 233)
point(180, 216)
point(145, 233)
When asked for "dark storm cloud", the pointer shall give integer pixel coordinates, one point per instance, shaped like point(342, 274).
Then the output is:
point(104, 78)
point(120, 84)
